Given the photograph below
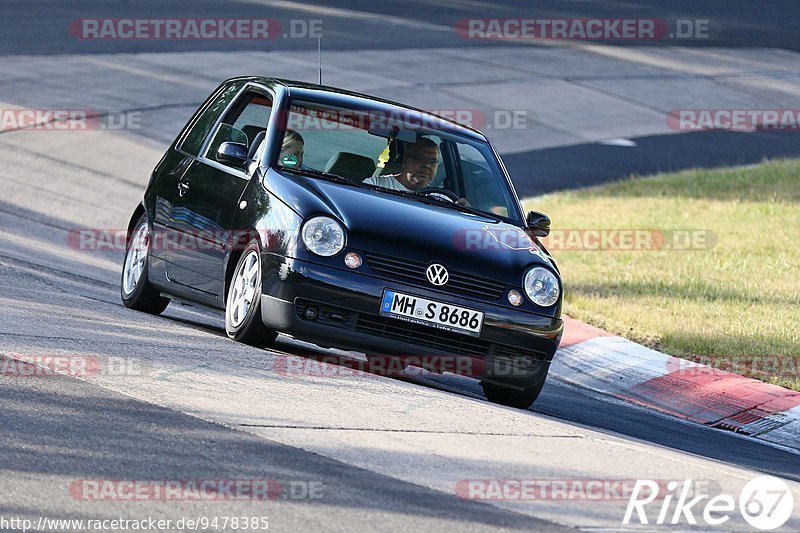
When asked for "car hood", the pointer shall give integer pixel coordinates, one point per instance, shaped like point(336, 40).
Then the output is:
point(382, 223)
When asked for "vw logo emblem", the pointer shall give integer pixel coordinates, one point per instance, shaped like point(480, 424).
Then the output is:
point(437, 274)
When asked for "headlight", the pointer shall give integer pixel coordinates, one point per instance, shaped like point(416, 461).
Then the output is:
point(541, 286)
point(323, 236)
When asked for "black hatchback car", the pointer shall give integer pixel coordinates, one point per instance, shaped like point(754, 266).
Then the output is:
point(353, 222)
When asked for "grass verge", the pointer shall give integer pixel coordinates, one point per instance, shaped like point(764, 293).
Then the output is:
point(711, 275)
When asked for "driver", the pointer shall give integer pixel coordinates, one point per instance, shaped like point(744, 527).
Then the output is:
point(420, 162)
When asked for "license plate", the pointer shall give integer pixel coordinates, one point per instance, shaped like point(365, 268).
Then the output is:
point(431, 313)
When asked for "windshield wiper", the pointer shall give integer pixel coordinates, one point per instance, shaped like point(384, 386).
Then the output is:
point(472, 210)
point(327, 175)
point(434, 201)
point(396, 192)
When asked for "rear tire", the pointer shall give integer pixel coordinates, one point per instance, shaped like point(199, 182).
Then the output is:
point(243, 305)
point(134, 287)
point(521, 399)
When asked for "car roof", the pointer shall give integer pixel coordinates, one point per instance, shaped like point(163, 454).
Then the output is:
point(337, 96)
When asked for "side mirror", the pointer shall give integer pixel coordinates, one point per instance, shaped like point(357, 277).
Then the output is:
point(538, 223)
point(232, 153)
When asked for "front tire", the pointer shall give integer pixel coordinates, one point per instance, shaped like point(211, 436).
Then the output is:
point(243, 305)
point(134, 287)
point(521, 399)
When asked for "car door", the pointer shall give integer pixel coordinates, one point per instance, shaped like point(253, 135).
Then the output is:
point(176, 161)
point(207, 198)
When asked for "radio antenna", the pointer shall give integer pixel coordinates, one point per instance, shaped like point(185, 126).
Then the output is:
point(319, 58)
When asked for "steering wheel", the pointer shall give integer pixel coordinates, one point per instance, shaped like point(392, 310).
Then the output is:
point(439, 193)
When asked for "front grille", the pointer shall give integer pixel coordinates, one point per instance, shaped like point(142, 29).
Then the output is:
point(413, 334)
point(414, 272)
point(417, 334)
point(439, 339)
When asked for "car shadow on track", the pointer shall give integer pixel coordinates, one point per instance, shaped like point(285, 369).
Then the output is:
point(571, 404)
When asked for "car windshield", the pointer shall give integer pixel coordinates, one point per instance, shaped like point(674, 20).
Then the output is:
point(394, 151)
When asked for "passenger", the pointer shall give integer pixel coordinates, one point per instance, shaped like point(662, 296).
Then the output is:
point(292, 150)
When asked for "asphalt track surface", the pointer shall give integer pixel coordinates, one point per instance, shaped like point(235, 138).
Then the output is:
point(383, 448)
point(39, 27)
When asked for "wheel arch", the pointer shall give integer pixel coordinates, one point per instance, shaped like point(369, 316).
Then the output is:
point(239, 242)
point(138, 212)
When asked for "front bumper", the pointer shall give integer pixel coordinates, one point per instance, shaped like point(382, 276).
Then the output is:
point(514, 349)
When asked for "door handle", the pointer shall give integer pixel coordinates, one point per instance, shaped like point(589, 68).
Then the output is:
point(183, 188)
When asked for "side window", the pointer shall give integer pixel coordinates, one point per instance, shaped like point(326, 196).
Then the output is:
point(243, 124)
point(471, 154)
point(481, 186)
point(201, 126)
